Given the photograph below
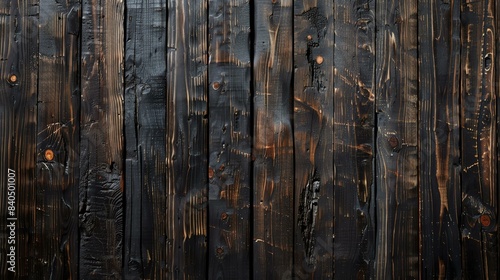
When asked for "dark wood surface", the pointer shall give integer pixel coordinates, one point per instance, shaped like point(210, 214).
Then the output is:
point(101, 206)
point(236, 139)
point(230, 140)
point(186, 140)
point(313, 124)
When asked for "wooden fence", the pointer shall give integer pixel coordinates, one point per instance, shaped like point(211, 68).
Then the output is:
point(239, 139)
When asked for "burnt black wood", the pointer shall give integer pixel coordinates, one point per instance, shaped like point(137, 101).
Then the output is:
point(235, 139)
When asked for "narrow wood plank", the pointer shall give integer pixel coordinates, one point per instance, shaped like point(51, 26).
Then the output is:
point(354, 97)
point(101, 142)
point(439, 138)
point(313, 139)
point(18, 125)
point(230, 142)
point(397, 251)
point(273, 140)
point(187, 139)
point(478, 108)
point(145, 131)
point(57, 141)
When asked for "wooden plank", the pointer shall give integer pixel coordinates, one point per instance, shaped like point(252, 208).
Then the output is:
point(313, 139)
point(101, 142)
point(354, 97)
point(230, 141)
point(273, 140)
point(56, 229)
point(439, 138)
point(187, 127)
point(18, 124)
point(397, 251)
point(145, 170)
point(478, 108)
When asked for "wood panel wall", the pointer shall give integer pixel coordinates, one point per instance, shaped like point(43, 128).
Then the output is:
point(237, 139)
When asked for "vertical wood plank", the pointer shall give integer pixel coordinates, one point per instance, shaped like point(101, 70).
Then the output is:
point(439, 139)
point(230, 141)
point(145, 131)
point(273, 140)
point(187, 127)
point(101, 142)
point(354, 98)
point(397, 251)
point(478, 108)
point(57, 140)
point(18, 125)
point(313, 139)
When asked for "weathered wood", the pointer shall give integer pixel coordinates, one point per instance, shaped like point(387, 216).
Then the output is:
point(18, 125)
point(478, 108)
point(187, 127)
point(101, 142)
point(230, 142)
point(273, 140)
point(313, 139)
point(145, 131)
point(57, 159)
point(439, 138)
point(397, 250)
point(354, 97)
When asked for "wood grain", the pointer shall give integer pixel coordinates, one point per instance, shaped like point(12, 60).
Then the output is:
point(273, 176)
point(187, 128)
point(230, 141)
point(18, 126)
point(101, 142)
point(354, 98)
point(58, 133)
point(439, 138)
point(145, 132)
point(313, 139)
point(478, 108)
point(397, 250)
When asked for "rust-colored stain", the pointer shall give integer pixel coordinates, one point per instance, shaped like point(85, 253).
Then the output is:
point(210, 173)
point(216, 85)
point(13, 78)
point(309, 37)
point(224, 216)
point(49, 155)
point(319, 59)
point(485, 220)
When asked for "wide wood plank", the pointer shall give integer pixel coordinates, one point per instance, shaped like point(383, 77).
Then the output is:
point(478, 109)
point(101, 142)
point(354, 97)
point(273, 140)
point(230, 141)
point(439, 138)
point(313, 139)
point(145, 132)
point(397, 239)
point(57, 141)
point(18, 125)
point(187, 127)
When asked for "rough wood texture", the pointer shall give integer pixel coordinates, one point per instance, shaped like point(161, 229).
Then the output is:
point(187, 127)
point(18, 125)
point(354, 98)
point(230, 141)
point(313, 139)
point(101, 142)
point(397, 250)
point(274, 220)
point(56, 229)
point(478, 107)
point(439, 149)
point(145, 132)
